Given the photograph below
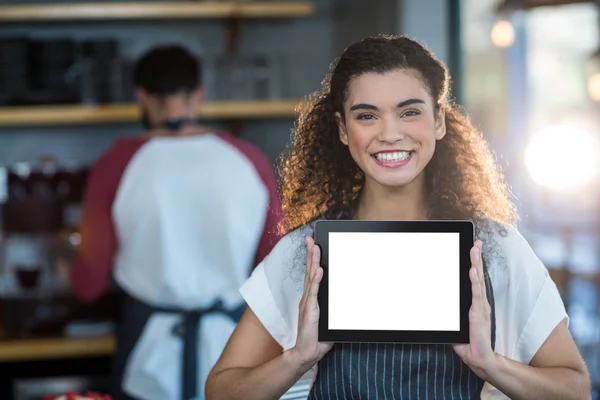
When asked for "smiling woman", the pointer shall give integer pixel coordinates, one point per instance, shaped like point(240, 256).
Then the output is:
point(389, 103)
point(381, 131)
point(381, 141)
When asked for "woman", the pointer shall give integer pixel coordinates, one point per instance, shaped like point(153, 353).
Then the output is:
point(382, 142)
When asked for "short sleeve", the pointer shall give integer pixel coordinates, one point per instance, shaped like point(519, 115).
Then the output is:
point(274, 289)
point(547, 312)
point(258, 296)
point(528, 303)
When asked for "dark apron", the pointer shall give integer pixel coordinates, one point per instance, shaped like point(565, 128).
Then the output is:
point(398, 371)
point(134, 316)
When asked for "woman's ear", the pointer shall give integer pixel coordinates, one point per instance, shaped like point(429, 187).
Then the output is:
point(341, 128)
point(440, 123)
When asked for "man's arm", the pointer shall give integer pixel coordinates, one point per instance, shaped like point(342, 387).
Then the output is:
point(90, 272)
point(271, 231)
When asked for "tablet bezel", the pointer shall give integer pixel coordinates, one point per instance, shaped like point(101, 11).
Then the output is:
point(465, 229)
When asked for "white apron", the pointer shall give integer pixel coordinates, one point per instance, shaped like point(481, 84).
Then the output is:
point(189, 214)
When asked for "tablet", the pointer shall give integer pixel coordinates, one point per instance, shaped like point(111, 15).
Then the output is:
point(395, 281)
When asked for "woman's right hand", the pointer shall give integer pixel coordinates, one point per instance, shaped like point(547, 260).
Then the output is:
point(308, 350)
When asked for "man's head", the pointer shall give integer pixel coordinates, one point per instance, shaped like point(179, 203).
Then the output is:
point(168, 85)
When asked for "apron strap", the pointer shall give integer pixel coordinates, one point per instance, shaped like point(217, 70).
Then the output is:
point(490, 297)
point(189, 330)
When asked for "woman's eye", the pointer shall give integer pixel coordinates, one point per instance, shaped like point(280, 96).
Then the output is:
point(411, 113)
point(365, 116)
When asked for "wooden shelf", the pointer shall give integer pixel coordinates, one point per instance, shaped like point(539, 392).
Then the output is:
point(550, 3)
point(123, 113)
point(147, 10)
point(511, 5)
point(53, 348)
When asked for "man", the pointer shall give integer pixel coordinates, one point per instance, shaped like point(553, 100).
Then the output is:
point(179, 217)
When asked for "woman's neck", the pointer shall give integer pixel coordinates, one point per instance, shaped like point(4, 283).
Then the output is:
point(379, 202)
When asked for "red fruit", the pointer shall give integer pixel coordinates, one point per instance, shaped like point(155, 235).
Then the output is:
point(72, 395)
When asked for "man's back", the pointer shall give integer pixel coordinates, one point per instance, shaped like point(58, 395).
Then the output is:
point(189, 212)
point(180, 222)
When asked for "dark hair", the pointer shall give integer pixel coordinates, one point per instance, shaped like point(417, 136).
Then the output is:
point(320, 179)
point(167, 70)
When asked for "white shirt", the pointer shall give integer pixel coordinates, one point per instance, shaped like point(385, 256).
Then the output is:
point(189, 214)
point(528, 305)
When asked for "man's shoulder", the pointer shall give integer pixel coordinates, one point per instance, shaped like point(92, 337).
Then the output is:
point(123, 144)
point(251, 151)
point(127, 143)
point(118, 154)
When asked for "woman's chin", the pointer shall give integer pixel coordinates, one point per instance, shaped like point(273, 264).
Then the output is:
point(394, 182)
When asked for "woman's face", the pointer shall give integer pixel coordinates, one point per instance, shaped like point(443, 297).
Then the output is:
point(390, 126)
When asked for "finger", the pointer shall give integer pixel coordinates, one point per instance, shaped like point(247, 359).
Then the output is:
point(312, 302)
point(477, 264)
point(476, 260)
point(479, 247)
point(315, 280)
point(316, 259)
point(309, 249)
point(481, 272)
point(307, 270)
point(474, 254)
point(327, 346)
point(476, 290)
point(461, 349)
point(477, 310)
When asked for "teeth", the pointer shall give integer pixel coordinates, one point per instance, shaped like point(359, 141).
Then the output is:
point(396, 156)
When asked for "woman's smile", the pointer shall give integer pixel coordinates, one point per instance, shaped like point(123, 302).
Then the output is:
point(393, 158)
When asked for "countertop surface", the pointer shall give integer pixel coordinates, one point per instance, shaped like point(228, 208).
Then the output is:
point(55, 347)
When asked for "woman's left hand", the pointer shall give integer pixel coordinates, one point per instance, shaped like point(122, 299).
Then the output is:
point(478, 353)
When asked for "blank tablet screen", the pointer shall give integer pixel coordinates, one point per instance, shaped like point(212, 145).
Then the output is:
point(394, 281)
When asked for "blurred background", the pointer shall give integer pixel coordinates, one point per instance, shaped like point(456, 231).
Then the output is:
point(528, 72)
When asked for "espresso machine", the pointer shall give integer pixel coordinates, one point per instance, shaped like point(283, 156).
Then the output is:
point(41, 207)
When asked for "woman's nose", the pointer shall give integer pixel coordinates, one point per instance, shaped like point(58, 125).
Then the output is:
point(391, 131)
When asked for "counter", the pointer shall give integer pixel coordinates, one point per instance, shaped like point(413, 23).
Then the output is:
point(37, 349)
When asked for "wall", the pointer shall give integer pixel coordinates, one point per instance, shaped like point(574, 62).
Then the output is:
point(305, 61)
point(306, 46)
point(354, 21)
point(428, 22)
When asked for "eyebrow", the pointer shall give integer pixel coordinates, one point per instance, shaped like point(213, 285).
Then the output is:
point(402, 104)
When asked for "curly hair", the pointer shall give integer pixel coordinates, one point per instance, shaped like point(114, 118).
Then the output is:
point(321, 180)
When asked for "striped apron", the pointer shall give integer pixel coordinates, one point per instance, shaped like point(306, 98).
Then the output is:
point(398, 371)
